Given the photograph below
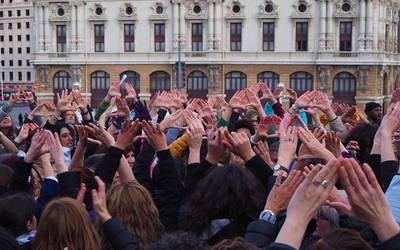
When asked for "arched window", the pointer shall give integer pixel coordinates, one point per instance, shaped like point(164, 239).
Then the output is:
point(197, 85)
point(234, 81)
point(344, 88)
point(159, 80)
point(100, 80)
point(133, 79)
point(100, 83)
point(62, 80)
point(301, 82)
point(270, 78)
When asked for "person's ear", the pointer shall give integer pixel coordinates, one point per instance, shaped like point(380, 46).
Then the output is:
point(31, 224)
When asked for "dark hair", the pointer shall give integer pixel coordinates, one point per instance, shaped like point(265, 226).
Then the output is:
point(242, 124)
point(234, 244)
point(70, 127)
point(228, 192)
point(364, 134)
point(15, 211)
point(6, 174)
point(179, 240)
point(342, 239)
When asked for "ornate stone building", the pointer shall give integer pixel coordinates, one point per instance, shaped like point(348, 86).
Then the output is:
point(348, 48)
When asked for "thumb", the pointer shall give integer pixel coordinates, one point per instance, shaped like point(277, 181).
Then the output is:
point(339, 206)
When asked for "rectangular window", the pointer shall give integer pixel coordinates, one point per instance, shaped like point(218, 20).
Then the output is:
point(10, 38)
point(18, 12)
point(28, 50)
point(28, 76)
point(1, 38)
point(19, 76)
point(268, 36)
point(2, 50)
point(19, 26)
point(19, 38)
point(28, 63)
point(11, 76)
point(10, 26)
point(159, 37)
point(10, 50)
point(19, 50)
point(27, 25)
point(28, 38)
point(236, 36)
point(10, 13)
point(129, 37)
point(99, 37)
point(345, 36)
point(1, 14)
point(1, 26)
point(11, 63)
point(20, 63)
point(302, 36)
point(197, 37)
point(61, 38)
point(2, 63)
point(27, 12)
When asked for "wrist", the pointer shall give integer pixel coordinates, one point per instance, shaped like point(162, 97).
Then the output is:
point(247, 157)
point(28, 159)
point(274, 209)
point(105, 216)
point(387, 230)
point(18, 140)
point(330, 115)
point(284, 161)
point(212, 159)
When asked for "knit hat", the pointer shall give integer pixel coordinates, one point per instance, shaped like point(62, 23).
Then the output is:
point(371, 105)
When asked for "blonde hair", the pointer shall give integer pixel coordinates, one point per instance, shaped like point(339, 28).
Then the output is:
point(65, 224)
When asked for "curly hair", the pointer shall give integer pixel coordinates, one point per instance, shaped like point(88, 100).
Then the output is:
point(132, 204)
point(226, 192)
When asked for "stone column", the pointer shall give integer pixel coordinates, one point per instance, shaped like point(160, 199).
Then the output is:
point(73, 28)
point(80, 28)
point(40, 19)
point(381, 25)
point(329, 30)
point(369, 38)
point(211, 25)
point(218, 25)
point(46, 35)
point(215, 87)
point(322, 23)
point(361, 31)
point(182, 25)
point(175, 18)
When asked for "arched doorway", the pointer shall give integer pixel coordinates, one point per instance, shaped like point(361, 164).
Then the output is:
point(301, 82)
point(159, 80)
point(197, 85)
point(344, 88)
point(100, 83)
point(234, 81)
point(270, 78)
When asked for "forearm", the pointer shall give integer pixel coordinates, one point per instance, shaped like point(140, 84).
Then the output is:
point(292, 233)
point(8, 145)
point(102, 107)
point(4, 111)
point(194, 155)
point(387, 152)
point(125, 172)
point(78, 158)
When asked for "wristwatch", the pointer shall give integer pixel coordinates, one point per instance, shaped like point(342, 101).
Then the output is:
point(280, 169)
point(268, 215)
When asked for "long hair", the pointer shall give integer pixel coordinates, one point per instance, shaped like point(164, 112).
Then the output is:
point(226, 192)
point(132, 204)
point(65, 224)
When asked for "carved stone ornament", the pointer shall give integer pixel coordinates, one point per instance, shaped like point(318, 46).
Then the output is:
point(192, 8)
point(44, 75)
point(325, 77)
point(76, 73)
point(214, 72)
point(235, 10)
point(159, 11)
point(362, 73)
point(128, 12)
point(94, 13)
point(59, 12)
point(265, 13)
point(298, 9)
point(352, 13)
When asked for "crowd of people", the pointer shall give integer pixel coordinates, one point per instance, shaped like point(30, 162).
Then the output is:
point(172, 173)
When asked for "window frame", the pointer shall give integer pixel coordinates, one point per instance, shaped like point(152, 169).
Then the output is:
point(302, 33)
point(61, 38)
point(197, 37)
point(99, 41)
point(129, 37)
point(235, 35)
point(268, 36)
point(159, 37)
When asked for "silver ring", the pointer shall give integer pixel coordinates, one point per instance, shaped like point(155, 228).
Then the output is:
point(324, 183)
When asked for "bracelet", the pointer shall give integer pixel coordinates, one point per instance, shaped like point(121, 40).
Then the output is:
point(334, 119)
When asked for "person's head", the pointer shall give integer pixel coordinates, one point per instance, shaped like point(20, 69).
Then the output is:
point(130, 157)
point(252, 117)
point(69, 117)
point(133, 205)
point(17, 213)
point(65, 224)
point(66, 135)
point(234, 244)
point(227, 192)
point(341, 239)
point(244, 126)
point(374, 111)
point(6, 174)
point(6, 122)
point(327, 219)
point(179, 240)
point(364, 134)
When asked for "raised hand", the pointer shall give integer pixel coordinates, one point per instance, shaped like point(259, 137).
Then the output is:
point(174, 120)
point(141, 111)
point(64, 102)
point(323, 102)
point(43, 109)
point(56, 151)
point(80, 100)
point(37, 147)
point(100, 134)
point(280, 195)
point(266, 93)
point(155, 136)
point(100, 200)
point(391, 121)
point(123, 108)
point(292, 94)
point(262, 149)
point(24, 132)
point(252, 100)
point(175, 99)
point(313, 145)
point(131, 92)
point(306, 100)
point(288, 142)
point(216, 148)
point(195, 130)
point(395, 96)
point(127, 135)
point(332, 143)
point(114, 90)
point(237, 100)
point(367, 200)
point(239, 143)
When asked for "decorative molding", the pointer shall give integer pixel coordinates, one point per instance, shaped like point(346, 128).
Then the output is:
point(76, 73)
point(298, 14)
point(202, 15)
point(94, 17)
point(325, 77)
point(362, 73)
point(263, 14)
point(159, 16)
point(352, 13)
point(230, 14)
point(44, 72)
point(214, 71)
point(53, 15)
point(123, 16)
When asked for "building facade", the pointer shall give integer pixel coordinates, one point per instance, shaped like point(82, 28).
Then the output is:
point(348, 48)
point(16, 40)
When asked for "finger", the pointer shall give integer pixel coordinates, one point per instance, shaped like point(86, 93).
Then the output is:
point(345, 181)
point(81, 195)
point(313, 173)
point(371, 176)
